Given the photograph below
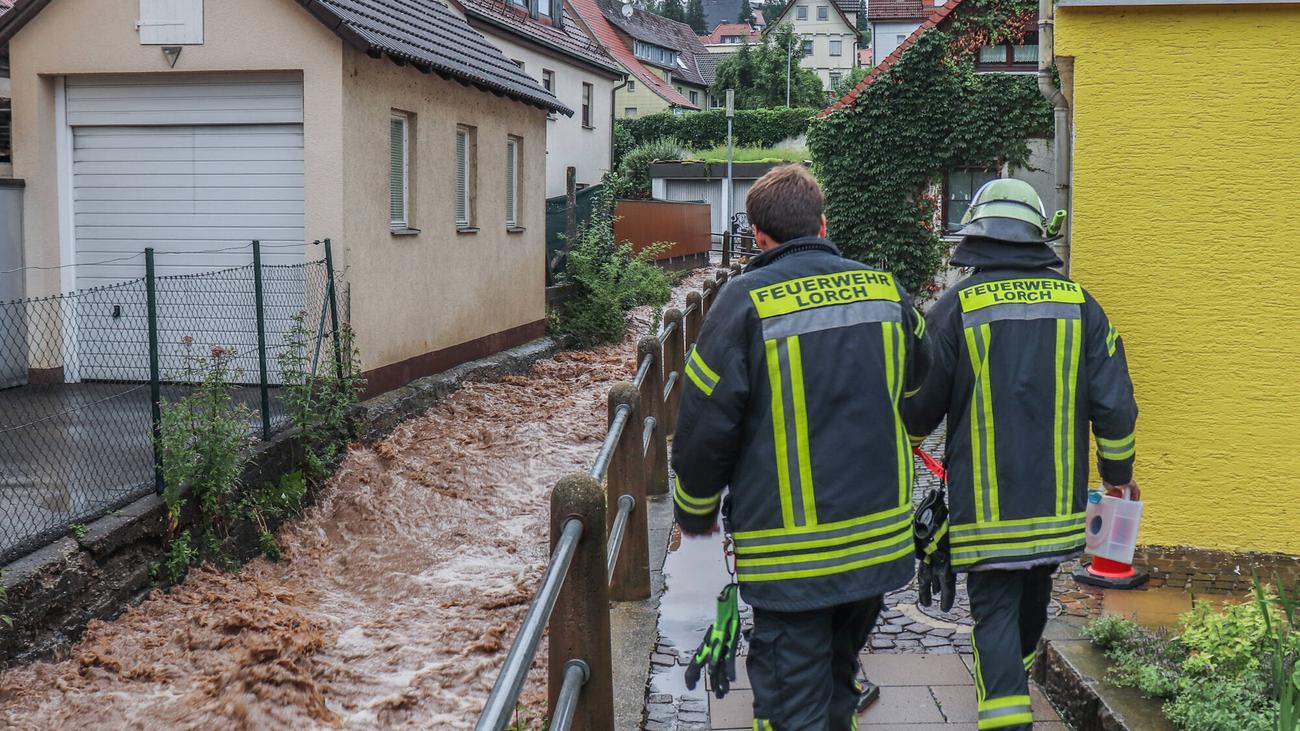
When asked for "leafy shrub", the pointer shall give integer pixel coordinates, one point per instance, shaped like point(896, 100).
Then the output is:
point(703, 130)
point(608, 280)
point(319, 393)
point(1229, 668)
point(623, 141)
point(633, 178)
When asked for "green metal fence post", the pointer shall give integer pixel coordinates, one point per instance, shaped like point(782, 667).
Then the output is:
point(334, 310)
point(155, 379)
point(262, 380)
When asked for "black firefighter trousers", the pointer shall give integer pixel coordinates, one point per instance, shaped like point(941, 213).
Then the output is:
point(1010, 612)
point(803, 666)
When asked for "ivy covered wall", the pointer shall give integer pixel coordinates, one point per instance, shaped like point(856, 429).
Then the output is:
point(929, 112)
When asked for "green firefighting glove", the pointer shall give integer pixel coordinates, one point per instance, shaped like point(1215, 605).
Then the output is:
point(930, 537)
point(717, 653)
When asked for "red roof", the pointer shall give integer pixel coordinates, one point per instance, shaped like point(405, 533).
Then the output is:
point(851, 97)
point(731, 29)
point(898, 9)
point(864, 56)
point(613, 42)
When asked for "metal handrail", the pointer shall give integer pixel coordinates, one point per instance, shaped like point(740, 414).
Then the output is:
point(576, 675)
point(606, 452)
point(500, 704)
point(667, 332)
point(643, 370)
point(669, 383)
point(647, 432)
point(626, 504)
point(691, 308)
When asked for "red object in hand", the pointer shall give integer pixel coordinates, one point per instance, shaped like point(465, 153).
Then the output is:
point(931, 463)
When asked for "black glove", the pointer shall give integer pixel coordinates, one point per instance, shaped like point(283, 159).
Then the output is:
point(930, 538)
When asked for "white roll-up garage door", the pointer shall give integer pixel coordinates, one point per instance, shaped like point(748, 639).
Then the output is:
point(195, 168)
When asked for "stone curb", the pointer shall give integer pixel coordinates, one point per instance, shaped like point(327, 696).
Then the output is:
point(54, 591)
point(1070, 672)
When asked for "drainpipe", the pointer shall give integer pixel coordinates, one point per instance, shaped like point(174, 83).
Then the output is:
point(1061, 107)
point(613, 105)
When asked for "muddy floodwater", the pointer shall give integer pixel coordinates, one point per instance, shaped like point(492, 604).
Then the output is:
point(398, 594)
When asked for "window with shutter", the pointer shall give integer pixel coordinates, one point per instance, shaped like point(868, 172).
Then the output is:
point(170, 22)
point(512, 182)
point(463, 167)
point(398, 172)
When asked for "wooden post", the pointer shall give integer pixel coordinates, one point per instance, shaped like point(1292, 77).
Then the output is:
point(726, 248)
point(706, 299)
point(627, 476)
point(570, 205)
point(652, 404)
point(694, 318)
point(674, 362)
point(580, 623)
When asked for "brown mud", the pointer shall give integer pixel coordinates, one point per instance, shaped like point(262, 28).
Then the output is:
point(398, 593)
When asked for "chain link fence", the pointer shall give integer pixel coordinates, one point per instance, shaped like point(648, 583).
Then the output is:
point(82, 377)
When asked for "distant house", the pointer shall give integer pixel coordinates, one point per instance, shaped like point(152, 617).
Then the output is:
point(195, 127)
point(729, 37)
point(718, 12)
point(551, 44)
point(893, 21)
point(659, 55)
point(829, 31)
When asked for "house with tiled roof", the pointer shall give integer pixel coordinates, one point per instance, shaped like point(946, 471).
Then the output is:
point(551, 43)
point(729, 37)
point(193, 127)
point(829, 32)
point(892, 21)
point(661, 57)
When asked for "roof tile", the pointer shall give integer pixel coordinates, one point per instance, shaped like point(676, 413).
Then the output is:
point(568, 37)
point(605, 32)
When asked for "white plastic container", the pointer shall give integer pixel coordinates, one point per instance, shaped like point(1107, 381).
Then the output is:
point(1112, 527)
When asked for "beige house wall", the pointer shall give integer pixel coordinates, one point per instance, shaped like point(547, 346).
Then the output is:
point(449, 287)
point(642, 99)
point(822, 32)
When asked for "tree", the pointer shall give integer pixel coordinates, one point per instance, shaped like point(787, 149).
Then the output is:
point(758, 74)
point(673, 10)
point(771, 10)
point(695, 17)
point(746, 13)
point(864, 31)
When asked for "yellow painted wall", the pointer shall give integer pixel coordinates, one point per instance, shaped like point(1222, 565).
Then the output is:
point(1186, 220)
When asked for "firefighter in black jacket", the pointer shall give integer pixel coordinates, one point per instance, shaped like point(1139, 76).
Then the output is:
point(792, 401)
point(1022, 361)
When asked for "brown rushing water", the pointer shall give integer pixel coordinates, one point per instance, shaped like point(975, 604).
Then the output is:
point(398, 594)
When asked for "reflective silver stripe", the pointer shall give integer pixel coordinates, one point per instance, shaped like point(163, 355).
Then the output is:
point(791, 433)
point(977, 531)
point(1023, 311)
point(987, 717)
point(833, 316)
point(842, 557)
point(697, 369)
point(971, 554)
point(1117, 449)
point(899, 516)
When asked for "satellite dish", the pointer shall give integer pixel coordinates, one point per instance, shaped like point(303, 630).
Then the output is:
point(627, 10)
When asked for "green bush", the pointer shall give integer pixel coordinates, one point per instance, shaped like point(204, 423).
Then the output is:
point(633, 178)
point(703, 130)
point(608, 280)
point(1228, 668)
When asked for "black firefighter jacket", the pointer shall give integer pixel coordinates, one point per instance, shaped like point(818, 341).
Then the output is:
point(1022, 360)
point(792, 399)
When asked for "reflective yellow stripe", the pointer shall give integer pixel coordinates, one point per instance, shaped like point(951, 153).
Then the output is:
point(919, 332)
point(979, 675)
point(704, 367)
point(1117, 449)
point(825, 555)
point(1029, 660)
point(823, 542)
point(1004, 702)
point(915, 440)
point(694, 505)
point(801, 431)
point(904, 549)
point(805, 531)
point(895, 354)
point(983, 450)
point(1063, 540)
point(962, 528)
point(1012, 710)
point(1075, 329)
point(971, 537)
point(1112, 341)
point(1014, 719)
point(699, 382)
point(970, 555)
point(1069, 341)
point(778, 433)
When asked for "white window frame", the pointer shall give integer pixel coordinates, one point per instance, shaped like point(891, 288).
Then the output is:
point(807, 48)
point(630, 112)
point(823, 12)
point(801, 12)
point(404, 221)
point(837, 47)
point(513, 187)
point(588, 104)
point(464, 189)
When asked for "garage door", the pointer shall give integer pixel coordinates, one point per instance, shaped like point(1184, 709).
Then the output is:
point(196, 169)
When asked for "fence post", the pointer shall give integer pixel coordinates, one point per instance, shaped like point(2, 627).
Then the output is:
point(155, 378)
point(570, 205)
point(726, 248)
point(694, 317)
point(580, 622)
point(674, 362)
point(706, 299)
point(627, 476)
point(260, 306)
point(652, 404)
point(334, 310)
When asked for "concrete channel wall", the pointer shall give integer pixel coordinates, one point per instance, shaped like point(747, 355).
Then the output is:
point(53, 592)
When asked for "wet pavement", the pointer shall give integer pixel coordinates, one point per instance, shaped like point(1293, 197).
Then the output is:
point(398, 595)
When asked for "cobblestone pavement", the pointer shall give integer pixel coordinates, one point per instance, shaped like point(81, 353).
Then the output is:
point(921, 658)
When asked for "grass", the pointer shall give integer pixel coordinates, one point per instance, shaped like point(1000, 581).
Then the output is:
point(753, 154)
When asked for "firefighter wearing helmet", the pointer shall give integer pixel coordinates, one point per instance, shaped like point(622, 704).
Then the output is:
point(1023, 361)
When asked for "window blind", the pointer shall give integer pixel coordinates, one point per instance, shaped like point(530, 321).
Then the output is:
point(397, 172)
point(462, 177)
point(512, 182)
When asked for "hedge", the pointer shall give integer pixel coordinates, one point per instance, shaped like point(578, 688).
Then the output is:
point(704, 130)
